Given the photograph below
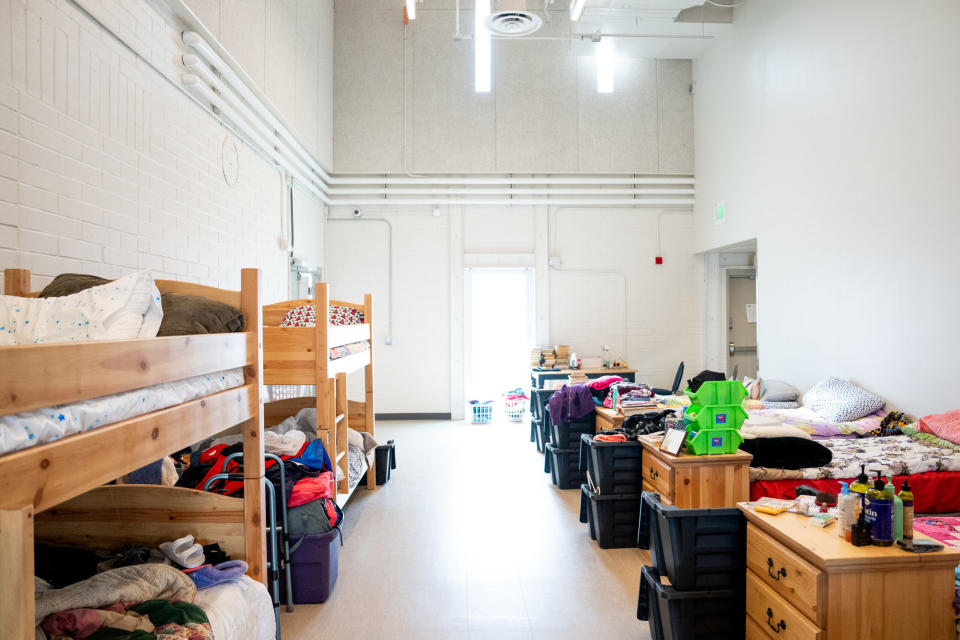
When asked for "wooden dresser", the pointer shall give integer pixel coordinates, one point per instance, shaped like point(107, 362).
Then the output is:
point(690, 482)
point(608, 419)
point(803, 582)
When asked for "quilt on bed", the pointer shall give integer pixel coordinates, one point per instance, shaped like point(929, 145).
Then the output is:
point(818, 426)
point(895, 455)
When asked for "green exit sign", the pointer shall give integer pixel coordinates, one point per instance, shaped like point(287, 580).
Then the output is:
point(720, 212)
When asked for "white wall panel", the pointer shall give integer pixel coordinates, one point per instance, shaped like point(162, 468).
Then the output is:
point(841, 159)
point(243, 32)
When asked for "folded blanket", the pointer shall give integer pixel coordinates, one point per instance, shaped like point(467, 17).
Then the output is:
point(787, 404)
point(945, 425)
point(751, 431)
point(135, 583)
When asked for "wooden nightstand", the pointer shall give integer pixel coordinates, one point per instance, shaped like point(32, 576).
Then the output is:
point(691, 482)
point(805, 582)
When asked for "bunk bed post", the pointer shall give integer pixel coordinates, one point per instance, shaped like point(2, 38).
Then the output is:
point(326, 392)
point(16, 583)
point(16, 282)
point(341, 434)
point(255, 541)
point(368, 388)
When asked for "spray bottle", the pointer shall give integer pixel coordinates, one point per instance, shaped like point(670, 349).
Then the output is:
point(848, 510)
point(907, 496)
point(878, 503)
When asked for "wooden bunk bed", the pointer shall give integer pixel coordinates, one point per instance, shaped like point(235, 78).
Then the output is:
point(61, 481)
point(301, 356)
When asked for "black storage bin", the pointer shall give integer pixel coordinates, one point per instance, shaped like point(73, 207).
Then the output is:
point(542, 433)
point(567, 435)
point(564, 465)
point(674, 614)
point(694, 548)
point(613, 467)
point(612, 519)
point(386, 461)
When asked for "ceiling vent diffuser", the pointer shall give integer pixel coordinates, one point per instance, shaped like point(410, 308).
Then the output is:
point(511, 19)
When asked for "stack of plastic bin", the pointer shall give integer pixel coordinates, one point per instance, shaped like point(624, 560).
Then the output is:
point(563, 451)
point(610, 499)
point(540, 417)
point(714, 417)
point(702, 554)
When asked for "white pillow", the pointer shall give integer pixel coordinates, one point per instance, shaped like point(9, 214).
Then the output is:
point(125, 308)
point(840, 400)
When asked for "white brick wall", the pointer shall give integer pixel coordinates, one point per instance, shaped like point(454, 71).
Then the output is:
point(106, 167)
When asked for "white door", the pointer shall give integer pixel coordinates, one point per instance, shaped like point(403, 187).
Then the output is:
point(742, 323)
point(499, 329)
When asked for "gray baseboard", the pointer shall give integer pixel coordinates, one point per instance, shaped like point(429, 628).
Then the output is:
point(413, 416)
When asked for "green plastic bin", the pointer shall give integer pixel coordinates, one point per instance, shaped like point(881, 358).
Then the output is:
point(718, 392)
point(713, 442)
point(718, 416)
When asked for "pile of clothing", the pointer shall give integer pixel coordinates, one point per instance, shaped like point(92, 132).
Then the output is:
point(571, 403)
point(635, 426)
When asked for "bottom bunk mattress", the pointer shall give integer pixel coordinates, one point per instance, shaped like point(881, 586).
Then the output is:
point(238, 610)
point(31, 428)
point(933, 491)
point(933, 470)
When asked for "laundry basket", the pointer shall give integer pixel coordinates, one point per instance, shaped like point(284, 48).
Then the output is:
point(481, 411)
point(515, 408)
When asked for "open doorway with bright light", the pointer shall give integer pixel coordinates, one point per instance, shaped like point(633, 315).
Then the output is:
point(499, 328)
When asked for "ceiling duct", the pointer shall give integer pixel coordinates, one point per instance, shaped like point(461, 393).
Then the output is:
point(511, 19)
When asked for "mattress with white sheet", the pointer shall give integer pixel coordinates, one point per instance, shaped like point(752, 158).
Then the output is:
point(238, 610)
point(30, 428)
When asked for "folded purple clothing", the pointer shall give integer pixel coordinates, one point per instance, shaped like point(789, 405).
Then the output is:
point(212, 575)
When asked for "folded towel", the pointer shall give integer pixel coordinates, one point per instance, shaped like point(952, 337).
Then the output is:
point(752, 431)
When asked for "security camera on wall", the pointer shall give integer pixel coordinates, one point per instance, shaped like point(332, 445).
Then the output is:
point(356, 213)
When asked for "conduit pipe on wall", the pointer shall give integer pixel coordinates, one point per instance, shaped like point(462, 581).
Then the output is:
point(388, 339)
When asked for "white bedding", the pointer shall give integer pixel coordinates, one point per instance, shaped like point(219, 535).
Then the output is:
point(238, 610)
point(125, 308)
point(30, 428)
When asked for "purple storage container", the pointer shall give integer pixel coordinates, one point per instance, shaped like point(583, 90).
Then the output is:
point(314, 566)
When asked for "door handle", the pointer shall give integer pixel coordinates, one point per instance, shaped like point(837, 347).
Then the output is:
point(734, 349)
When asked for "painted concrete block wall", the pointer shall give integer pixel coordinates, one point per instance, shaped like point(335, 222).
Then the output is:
point(840, 157)
point(543, 114)
point(106, 167)
point(286, 47)
point(663, 303)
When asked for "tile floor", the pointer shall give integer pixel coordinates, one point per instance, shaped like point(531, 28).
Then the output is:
point(470, 539)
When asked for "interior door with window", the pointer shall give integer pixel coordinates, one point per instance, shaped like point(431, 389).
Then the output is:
point(742, 354)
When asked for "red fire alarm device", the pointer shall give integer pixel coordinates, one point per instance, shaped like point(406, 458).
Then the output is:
point(659, 260)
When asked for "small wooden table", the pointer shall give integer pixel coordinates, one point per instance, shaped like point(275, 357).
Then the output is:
point(538, 378)
point(806, 582)
point(691, 482)
point(608, 419)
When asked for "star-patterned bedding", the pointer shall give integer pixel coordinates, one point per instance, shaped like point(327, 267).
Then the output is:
point(895, 455)
point(30, 428)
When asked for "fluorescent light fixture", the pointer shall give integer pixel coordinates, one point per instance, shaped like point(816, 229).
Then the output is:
point(411, 9)
point(605, 66)
point(576, 9)
point(481, 48)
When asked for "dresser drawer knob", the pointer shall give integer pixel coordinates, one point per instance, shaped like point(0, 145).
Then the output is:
point(776, 575)
point(780, 626)
point(654, 474)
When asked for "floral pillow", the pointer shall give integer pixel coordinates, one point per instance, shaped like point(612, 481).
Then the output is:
point(306, 316)
point(840, 400)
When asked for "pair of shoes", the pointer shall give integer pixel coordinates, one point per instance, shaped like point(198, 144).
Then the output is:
point(185, 552)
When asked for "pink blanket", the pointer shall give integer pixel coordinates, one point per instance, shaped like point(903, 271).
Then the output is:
point(945, 425)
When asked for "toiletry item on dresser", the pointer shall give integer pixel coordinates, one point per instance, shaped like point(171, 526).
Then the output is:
point(848, 510)
point(907, 496)
point(897, 513)
point(860, 532)
point(878, 503)
point(862, 484)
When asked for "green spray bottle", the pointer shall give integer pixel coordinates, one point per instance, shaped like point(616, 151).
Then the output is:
point(897, 512)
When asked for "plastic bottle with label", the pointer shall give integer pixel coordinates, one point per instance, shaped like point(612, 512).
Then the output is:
point(907, 496)
point(878, 504)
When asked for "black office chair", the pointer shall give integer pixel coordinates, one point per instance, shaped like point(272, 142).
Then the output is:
point(676, 384)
